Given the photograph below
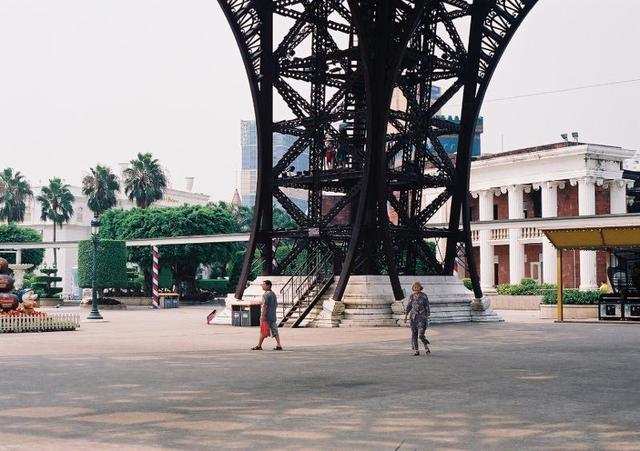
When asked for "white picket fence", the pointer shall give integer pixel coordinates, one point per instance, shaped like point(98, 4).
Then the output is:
point(49, 323)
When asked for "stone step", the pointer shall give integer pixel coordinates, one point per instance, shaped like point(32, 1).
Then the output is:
point(354, 311)
point(461, 319)
point(450, 312)
point(388, 322)
point(492, 319)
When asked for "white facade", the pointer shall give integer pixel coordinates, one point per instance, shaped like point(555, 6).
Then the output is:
point(78, 228)
point(548, 177)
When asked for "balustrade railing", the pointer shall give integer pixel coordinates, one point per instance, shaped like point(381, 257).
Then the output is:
point(531, 232)
point(499, 234)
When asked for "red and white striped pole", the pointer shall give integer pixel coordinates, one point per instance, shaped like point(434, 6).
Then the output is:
point(155, 276)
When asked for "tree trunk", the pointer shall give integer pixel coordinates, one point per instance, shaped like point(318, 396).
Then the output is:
point(55, 251)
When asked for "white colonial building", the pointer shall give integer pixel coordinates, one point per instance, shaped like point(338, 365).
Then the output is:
point(79, 228)
point(515, 194)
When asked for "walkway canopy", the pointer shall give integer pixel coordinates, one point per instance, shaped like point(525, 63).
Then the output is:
point(594, 239)
point(590, 239)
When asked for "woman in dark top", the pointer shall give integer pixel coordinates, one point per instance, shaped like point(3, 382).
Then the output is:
point(418, 311)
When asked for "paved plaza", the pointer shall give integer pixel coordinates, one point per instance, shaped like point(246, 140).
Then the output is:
point(166, 380)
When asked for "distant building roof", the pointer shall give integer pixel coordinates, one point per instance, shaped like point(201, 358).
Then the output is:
point(489, 156)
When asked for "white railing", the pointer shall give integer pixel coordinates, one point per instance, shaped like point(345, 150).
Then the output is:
point(475, 235)
point(49, 323)
point(530, 232)
point(499, 234)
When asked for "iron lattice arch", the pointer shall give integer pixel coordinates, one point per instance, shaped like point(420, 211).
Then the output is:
point(335, 66)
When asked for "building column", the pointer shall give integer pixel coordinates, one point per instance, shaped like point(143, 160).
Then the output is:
point(516, 247)
point(485, 211)
point(549, 197)
point(618, 196)
point(587, 207)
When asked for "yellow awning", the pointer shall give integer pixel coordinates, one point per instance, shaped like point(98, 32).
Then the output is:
point(595, 238)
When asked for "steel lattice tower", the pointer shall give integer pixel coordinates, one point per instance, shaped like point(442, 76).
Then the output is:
point(336, 68)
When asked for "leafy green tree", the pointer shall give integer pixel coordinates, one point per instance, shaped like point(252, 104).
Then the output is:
point(177, 221)
point(101, 186)
point(56, 201)
point(282, 220)
point(12, 233)
point(14, 192)
point(244, 217)
point(144, 180)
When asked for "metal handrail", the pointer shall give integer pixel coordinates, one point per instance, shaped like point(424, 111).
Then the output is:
point(299, 284)
point(290, 284)
point(315, 274)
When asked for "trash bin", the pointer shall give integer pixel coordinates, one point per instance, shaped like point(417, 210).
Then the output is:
point(245, 320)
point(245, 315)
point(632, 310)
point(236, 317)
point(610, 309)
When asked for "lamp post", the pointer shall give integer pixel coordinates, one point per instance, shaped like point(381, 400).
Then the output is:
point(95, 228)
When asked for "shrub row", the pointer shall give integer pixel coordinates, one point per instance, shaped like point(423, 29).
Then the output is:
point(526, 287)
point(573, 297)
point(214, 285)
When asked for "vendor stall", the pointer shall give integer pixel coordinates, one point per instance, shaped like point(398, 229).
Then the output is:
point(623, 244)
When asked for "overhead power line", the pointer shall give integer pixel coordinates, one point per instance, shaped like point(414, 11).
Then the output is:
point(561, 91)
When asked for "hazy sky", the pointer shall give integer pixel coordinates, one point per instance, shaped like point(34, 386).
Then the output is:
point(86, 81)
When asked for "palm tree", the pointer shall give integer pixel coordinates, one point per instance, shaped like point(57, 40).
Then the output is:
point(14, 192)
point(145, 180)
point(57, 205)
point(101, 187)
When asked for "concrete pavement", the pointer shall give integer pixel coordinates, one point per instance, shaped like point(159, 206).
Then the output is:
point(166, 380)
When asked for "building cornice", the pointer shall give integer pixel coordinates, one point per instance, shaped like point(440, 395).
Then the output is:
point(583, 150)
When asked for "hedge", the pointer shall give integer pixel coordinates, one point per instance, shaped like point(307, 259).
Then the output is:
point(111, 266)
point(573, 297)
point(11, 233)
point(526, 287)
point(213, 285)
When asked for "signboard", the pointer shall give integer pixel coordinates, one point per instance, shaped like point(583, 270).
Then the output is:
point(314, 231)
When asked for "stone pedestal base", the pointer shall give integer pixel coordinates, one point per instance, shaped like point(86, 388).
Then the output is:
point(450, 301)
point(331, 314)
point(368, 301)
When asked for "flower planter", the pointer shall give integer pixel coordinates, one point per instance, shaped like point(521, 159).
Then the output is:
point(549, 311)
point(509, 302)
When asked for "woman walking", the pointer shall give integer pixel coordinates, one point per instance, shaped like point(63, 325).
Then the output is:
point(418, 311)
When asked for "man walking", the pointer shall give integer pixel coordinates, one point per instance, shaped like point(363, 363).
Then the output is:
point(268, 316)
